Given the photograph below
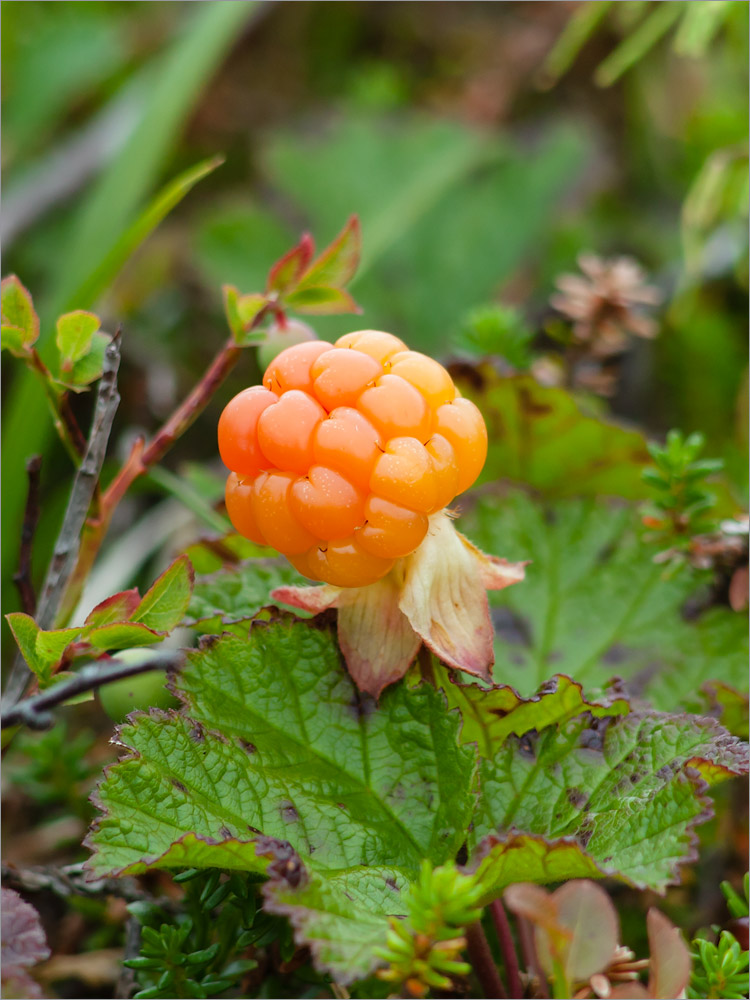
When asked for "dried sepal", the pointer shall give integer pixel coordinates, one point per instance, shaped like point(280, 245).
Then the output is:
point(436, 595)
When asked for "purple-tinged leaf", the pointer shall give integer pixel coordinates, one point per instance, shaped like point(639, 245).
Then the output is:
point(117, 608)
point(288, 270)
point(23, 944)
point(338, 263)
point(669, 970)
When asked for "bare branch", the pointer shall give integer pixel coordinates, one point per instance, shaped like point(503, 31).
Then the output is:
point(84, 485)
point(35, 712)
point(73, 880)
point(23, 579)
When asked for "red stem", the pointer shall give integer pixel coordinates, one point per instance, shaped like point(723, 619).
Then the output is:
point(507, 947)
point(483, 963)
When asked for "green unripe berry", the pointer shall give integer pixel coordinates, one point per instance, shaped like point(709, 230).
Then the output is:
point(279, 337)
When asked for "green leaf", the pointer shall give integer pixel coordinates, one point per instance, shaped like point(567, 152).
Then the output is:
point(89, 368)
point(241, 311)
point(117, 608)
point(164, 604)
point(210, 555)
point(338, 263)
point(490, 715)
point(279, 741)
point(321, 300)
point(628, 790)
point(502, 859)
point(75, 333)
point(425, 189)
point(343, 918)
point(188, 850)
point(595, 605)
point(123, 635)
point(249, 308)
point(238, 594)
point(541, 437)
point(41, 650)
point(13, 340)
point(18, 314)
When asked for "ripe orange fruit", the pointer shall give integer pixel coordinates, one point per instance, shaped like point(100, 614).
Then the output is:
point(339, 458)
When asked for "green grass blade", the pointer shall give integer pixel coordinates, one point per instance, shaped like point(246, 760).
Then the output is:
point(169, 196)
point(179, 75)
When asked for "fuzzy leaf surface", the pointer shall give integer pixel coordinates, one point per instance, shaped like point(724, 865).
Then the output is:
point(629, 789)
point(594, 605)
point(490, 715)
point(237, 594)
point(541, 436)
point(279, 742)
point(342, 918)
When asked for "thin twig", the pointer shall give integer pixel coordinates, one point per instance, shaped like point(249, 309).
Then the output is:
point(84, 484)
point(507, 947)
point(142, 456)
point(126, 981)
point(23, 578)
point(483, 963)
point(530, 957)
point(69, 539)
point(35, 712)
point(73, 880)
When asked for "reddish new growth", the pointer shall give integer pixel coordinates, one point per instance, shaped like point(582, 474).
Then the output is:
point(344, 460)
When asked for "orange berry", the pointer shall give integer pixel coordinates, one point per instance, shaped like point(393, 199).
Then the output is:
point(238, 498)
point(273, 514)
point(463, 425)
point(396, 409)
point(445, 466)
point(238, 424)
point(380, 346)
point(340, 457)
point(348, 443)
point(326, 504)
point(426, 375)
point(404, 475)
point(390, 531)
point(291, 368)
point(344, 564)
point(340, 376)
point(285, 431)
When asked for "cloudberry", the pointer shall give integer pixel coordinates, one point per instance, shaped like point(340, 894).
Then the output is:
point(344, 452)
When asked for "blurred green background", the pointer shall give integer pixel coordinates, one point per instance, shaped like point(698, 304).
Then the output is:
point(484, 146)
